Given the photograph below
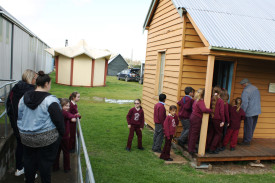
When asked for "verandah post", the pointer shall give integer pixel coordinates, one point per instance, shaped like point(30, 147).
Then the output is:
point(207, 100)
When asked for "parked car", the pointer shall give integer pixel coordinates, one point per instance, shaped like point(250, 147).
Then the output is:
point(129, 74)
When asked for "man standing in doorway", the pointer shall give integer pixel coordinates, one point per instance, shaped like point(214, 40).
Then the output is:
point(251, 104)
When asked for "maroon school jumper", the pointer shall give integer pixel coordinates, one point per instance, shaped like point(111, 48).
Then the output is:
point(215, 131)
point(72, 110)
point(159, 113)
point(64, 145)
point(195, 123)
point(169, 127)
point(226, 113)
point(185, 107)
point(227, 121)
point(233, 129)
point(135, 118)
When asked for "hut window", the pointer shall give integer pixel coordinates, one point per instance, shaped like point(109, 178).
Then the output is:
point(7, 33)
point(161, 72)
point(1, 29)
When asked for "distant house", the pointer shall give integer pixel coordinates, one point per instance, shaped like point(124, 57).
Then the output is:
point(80, 66)
point(116, 64)
point(205, 43)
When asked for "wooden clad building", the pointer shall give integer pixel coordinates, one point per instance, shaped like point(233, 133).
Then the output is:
point(210, 43)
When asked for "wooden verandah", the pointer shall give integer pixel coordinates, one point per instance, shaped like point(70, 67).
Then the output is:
point(264, 148)
point(260, 149)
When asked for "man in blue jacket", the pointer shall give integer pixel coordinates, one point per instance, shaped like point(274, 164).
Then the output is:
point(251, 104)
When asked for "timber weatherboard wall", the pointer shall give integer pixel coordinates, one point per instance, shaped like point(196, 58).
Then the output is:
point(260, 73)
point(169, 33)
point(164, 34)
point(193, 71)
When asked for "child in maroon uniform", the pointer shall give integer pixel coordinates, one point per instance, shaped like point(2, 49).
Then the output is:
point(225, 97)
point(64, 146)
point(74, 98)
point(216, 124)
point(198, 109)
point(135, 119)
point(159, 117)
point(184, 113)
point(169, 126)
point(236, 115)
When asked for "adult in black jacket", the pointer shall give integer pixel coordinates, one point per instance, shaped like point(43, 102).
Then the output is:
point(26, 84)
point(41, 127)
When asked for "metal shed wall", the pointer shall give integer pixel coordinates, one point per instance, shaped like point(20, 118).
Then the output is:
point(21, 50)
point(20, 53)
point(5, 49)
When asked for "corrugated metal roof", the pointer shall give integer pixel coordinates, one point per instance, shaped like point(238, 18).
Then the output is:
point(234, 24)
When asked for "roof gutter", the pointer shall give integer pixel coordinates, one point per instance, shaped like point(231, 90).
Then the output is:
point(15, 22)
point(148, 14)
point(241, 51)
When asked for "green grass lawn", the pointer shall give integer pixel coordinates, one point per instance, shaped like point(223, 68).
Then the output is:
point(105, 132)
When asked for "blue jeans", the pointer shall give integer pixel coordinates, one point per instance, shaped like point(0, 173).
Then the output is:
point(249, 127)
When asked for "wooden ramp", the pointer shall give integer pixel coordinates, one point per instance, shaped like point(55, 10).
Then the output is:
point(260, 149)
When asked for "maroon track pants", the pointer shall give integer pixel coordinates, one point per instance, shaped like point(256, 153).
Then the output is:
point(134, 128)
point(194, 132)
point(165, 154)
point(232, 135)
point(217, 134)
point(64, 146)
point(72, 135)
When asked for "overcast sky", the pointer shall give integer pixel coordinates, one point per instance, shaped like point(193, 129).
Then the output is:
point(116, 25)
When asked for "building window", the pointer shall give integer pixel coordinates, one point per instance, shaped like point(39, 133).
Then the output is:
point(161, 66)
point(7, 32)
point(1, 29)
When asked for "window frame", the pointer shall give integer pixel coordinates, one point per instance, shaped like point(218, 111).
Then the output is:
point(160, 74)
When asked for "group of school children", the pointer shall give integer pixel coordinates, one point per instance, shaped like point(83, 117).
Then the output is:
point(67, 145)
point(224, 122)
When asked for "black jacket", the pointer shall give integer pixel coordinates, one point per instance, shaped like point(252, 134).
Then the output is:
point(15, 95)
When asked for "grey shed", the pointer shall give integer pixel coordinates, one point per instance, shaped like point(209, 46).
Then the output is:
point(116, 64)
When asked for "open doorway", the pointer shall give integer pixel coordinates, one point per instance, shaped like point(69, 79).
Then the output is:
point(223, 75)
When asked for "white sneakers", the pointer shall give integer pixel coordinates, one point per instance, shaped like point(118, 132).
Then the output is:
point(19, 172)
